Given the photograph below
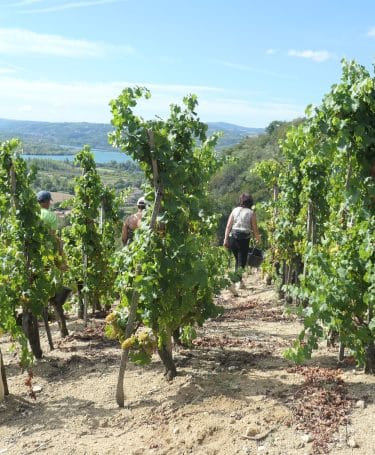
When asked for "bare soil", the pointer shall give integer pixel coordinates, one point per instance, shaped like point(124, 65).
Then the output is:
point(60, 197)
point(234, 394)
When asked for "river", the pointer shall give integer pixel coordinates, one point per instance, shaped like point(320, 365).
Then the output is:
point(100, 156)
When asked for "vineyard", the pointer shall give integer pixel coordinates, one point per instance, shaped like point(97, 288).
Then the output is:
point(231, 384)
point(235, 392)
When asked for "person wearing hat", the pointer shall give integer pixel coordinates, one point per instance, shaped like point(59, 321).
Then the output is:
point(132, 222)
point(49, 218)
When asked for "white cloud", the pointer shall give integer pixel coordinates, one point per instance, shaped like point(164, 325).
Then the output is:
point(49, 6)
point(316, 56)
point(17, 41)
point(26, 2)
point(77, 102)
point(247, 113)
point(252, 69)
point(271, 51)
point(82, 101)
point(371, 32)
point(6, 70)
point(25, 108)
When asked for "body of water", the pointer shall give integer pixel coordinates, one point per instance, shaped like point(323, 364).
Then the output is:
point(100, 156)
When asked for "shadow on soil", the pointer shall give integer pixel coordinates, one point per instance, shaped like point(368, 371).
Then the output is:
point(56, 413)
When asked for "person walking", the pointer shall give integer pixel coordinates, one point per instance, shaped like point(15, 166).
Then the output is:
point(132, 222)
point(240, 225)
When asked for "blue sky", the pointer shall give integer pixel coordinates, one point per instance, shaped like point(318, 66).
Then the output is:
point(249, 62)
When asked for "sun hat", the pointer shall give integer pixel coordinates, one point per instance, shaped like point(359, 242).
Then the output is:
point(141, 201)
point(44, 196)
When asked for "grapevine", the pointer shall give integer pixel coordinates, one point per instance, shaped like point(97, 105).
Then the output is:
point(90, 244)
point(179, 268)
point(28, 275)
point(326, 217)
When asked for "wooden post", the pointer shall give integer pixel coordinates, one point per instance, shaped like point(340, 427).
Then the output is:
point(84, 267)
point(310, 229)
point(344, 223)
point(84, 289)
point(101, 217)
point(120, 396)
point(275, 198)
point(3, 380)
point(48, 330)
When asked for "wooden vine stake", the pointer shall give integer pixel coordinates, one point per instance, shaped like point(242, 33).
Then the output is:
point(310, 229)
point(84, 289)
point(120, 396)
point(3, 380)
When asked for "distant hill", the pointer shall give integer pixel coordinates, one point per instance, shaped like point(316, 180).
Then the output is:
point(232, 134)
point(49, 137)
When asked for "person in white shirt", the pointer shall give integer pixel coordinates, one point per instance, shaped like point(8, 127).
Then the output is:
point(241, 225)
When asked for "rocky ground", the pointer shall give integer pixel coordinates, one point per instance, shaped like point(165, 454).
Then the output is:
point(235, 393)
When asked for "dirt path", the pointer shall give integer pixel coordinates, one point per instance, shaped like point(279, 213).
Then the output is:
point(235, 393)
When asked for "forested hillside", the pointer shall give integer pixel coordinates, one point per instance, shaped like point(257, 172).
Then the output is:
point(49, 137)
point(244, 148)
point(64, 138)
point(236, 176)
point(59, 175)
point(243, 145)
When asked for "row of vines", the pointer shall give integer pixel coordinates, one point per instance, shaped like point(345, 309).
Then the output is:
point(321, 232)
point(322, 219)
point(34, 274)
point(163, 283)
